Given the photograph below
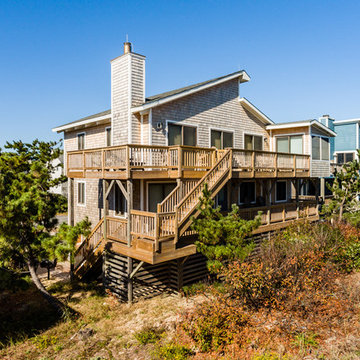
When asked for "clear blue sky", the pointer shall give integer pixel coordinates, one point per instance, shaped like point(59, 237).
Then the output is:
point(303, 56)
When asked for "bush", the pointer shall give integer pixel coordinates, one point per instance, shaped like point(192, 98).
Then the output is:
point(172, 351)
point(148, 335)
point(215, 323)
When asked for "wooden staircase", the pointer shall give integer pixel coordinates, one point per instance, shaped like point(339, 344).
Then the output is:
point(166, 226)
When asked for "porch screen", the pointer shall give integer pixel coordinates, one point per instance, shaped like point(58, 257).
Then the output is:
point(324, 149)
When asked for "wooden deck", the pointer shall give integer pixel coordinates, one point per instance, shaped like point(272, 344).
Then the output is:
point(149, 162)
point(151, 233)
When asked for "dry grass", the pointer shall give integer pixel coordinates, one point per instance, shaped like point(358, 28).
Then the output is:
point(112, 327)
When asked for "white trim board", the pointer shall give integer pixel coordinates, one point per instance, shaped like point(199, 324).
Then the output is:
point(82, 123)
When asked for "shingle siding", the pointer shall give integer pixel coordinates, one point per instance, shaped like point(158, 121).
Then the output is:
point(216, 107)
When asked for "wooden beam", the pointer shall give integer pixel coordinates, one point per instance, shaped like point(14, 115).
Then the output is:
point(141, 263)
point(109, 188)
point(123, 190)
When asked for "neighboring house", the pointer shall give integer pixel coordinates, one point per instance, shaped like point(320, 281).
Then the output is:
point(62, 188)
point(138, 169)
point(344, 147)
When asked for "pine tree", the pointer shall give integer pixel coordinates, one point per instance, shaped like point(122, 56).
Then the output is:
point(28, 209)
point(345, 191)
point(222, 238)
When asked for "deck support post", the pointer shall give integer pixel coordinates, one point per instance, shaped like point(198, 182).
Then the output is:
point(129, 188)
point(322, 188)
point(105, 207)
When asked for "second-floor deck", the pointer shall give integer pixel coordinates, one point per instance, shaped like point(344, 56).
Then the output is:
point(147, 162)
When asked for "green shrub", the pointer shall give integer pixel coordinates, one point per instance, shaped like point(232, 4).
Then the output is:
point(42, 342)
point(148, 335)
point(172, 351)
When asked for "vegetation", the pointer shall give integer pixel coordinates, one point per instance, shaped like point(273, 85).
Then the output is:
point(222, 238)
point(28, 210)
point(345, 190)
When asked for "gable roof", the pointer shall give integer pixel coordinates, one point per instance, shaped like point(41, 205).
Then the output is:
point(295, 124)
point(168, 96)
point(255, 111)
point(159, 99)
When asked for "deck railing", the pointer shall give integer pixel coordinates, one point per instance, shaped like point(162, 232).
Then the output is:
point(109, 160)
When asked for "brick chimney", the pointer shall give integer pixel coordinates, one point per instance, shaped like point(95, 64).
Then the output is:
point(127, 91)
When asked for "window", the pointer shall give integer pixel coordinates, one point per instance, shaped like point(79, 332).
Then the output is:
point(108, 136)
point(343, 158)
point(181, 135)
point(320, 148)
point(292, 144)
point(247, 193)
point(280, 191)
point(120, 202)
point(81, 141)
point(253, 142)
point(81, 193)
point(222, 139)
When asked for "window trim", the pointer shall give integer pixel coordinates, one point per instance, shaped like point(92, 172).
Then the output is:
point(180, 123)
point(77, 197)
point(286, 191)
point(239, 193)
point(320, 136)
point(222, 130)
point(111, 140)
point(345, 152)
point(77, 138)
point(288, 135)
point(254, 134)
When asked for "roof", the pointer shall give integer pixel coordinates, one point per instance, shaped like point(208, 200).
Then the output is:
point(99, 117)
point(348, 121)
point(168, 96)
point(294, 124)
point(255, 111)
point(159, 99)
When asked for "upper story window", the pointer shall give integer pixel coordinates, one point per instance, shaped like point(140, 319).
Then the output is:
point(290, 144)
point(320, 148)
point(253, 142)
point(108, 136)
point(181, 135)
point(343, 158)
point(81, 141)
point(222, 139)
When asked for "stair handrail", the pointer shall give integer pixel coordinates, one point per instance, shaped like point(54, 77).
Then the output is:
point(226, 153)
point(87, 241)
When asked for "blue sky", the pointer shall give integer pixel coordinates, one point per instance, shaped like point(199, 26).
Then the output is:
point(302, 56)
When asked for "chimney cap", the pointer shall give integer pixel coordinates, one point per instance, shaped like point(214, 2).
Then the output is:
point(326, 116)
point(127, 47)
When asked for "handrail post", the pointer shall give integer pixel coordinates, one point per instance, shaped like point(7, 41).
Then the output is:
point(157, 231)
point(84, 168)
point(276, 164)
point(180, 156)
point(269, 216)
point(253, 164)
point(176, 222)
point(103, 162)
point(127, 161)
point(283, 213)
point(294, 159)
